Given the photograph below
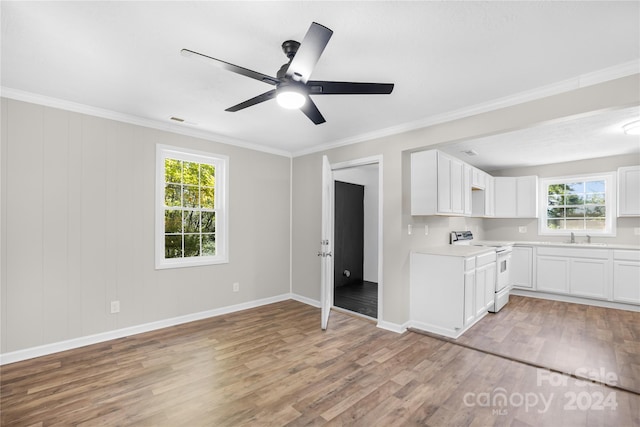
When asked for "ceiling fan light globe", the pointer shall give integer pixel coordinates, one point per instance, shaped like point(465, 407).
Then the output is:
point(290, 99)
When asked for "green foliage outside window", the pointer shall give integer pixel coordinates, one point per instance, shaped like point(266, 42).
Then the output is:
point(189, 209)
point(577, 206)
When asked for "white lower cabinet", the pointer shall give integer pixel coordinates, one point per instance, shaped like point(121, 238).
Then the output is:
point(579, 272)
point(448, 294)
point(521, 272)
point(626, 276)
point(553, 274)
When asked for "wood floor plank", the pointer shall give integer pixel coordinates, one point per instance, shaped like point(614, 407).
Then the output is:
point(272, 365)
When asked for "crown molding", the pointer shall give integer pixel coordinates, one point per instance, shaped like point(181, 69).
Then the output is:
point(34, 98)
point(585, 80)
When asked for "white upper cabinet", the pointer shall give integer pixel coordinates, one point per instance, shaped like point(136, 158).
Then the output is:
point(439, 184)
point(629, 191)
point(516, 197)
point(478, 178)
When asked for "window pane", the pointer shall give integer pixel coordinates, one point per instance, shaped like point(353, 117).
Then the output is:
point(172, 195)
point(191, 245)
point(208, 222)
point(555, 212)
point(191, 221)
point(173, 221)
point(595, 198)
point(595, 224)
point(575, 224)
point(555, 200)
point(207, 175)
point(207, 198)
point(173, 246)
point(574, 188)
point(574, 199)
point(190, 173)
point(172, 170)
point(556, 189)
point(594, 187)
point(208, 244)
point(555, 224)
point(596, 212)
point(191, 197)
point(575, 212)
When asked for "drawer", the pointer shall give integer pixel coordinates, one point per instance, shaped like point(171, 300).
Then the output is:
point(485, 259)
point(469, 263)
point(620, 255)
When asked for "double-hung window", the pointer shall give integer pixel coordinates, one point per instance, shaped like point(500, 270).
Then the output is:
point(191, 208)
point(584, 205)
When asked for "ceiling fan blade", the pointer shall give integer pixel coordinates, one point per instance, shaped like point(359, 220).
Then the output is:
point(317, 87)
point(253, 101)
point(311, 110)
point(309, 52)
point(231, 67)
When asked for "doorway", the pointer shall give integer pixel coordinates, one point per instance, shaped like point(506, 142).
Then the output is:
point(356, 239)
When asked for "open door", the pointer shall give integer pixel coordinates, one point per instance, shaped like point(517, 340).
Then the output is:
point(326, 244)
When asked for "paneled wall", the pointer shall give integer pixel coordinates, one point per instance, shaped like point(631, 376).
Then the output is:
point(77, 214)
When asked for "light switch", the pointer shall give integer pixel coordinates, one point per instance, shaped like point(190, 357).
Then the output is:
point(409, 229)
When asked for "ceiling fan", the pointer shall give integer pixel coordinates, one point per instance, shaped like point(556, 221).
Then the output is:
point(292, 84)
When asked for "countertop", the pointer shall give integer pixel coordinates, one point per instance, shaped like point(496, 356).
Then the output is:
point(455, 250)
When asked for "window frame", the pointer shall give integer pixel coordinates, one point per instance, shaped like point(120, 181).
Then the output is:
point(221, 164)
point(610, 203)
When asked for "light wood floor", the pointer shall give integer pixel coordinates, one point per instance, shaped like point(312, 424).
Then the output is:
point(273, 366)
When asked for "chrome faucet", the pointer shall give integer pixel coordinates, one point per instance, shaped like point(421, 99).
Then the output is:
point(588, 239)
point(573, 237)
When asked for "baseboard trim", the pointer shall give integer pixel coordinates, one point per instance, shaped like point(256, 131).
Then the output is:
point(305, 300)
point(393, 327)
point(46, 349)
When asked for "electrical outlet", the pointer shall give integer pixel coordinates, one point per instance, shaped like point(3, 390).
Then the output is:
point(426, 230)
point(236, 287)
point(115, 307)
point(409, 229)
point(522, 229)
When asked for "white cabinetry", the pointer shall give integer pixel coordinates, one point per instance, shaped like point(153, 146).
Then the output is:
point(516, 197)
point(485, 282)
point(521, 272)
point(629, 191)
point(438, 184)
point(446, 294)
point(478, 179)
point(482, 201)
point(626, 276)
point(578, 272)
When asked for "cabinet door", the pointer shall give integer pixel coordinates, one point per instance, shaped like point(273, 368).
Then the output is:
point(552, 274)
point(444, 184)
point(626, 281)
point(505, 197)
point(457, 186)
point(489, 197)
point(469, 297)
point(478, 179)
point(490, 286)
point(588, 277)
point(466, 190)
point(527, 197)
point(481, 286)
point(629, 191)
point(521, 273)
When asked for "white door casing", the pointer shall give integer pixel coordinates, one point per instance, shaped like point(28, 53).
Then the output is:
point(326, 244)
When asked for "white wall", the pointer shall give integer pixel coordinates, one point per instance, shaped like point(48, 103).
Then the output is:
point(507, 229)
point(366, 176)
point(396, 214)
point(77, 228)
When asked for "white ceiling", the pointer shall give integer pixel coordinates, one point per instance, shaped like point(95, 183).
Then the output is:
point(445, 58)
